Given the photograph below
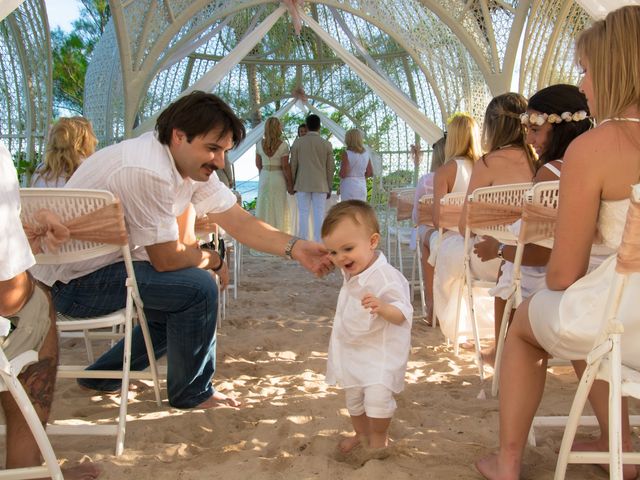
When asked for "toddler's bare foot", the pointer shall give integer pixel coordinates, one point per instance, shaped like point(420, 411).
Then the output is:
point(347, 444)
point(219, 399)
point(629, 472)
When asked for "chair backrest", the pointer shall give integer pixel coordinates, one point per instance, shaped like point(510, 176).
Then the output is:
point(450, 210)
point(539, 213)
point(492, 210)
point(425, 210)
point(68, 204)
point(404, 205)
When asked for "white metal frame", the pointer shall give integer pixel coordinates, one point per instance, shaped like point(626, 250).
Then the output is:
point(68, 204)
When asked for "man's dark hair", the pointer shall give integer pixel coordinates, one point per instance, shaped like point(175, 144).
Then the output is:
point(313, 122)
point(197, 114)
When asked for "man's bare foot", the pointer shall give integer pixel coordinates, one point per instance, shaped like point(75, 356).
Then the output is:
point(491, 470)
point(219, 399)
point(489, 356)
point(629, 472)
point(346, 445)
point(83, 471)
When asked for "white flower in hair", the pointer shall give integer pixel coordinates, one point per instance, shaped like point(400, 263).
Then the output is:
point(579, 115)
point(524, 118)
point(538, 118)
point(566, 116)
point(554, 118)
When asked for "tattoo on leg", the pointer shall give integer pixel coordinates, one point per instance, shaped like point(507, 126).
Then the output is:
point(38, 380)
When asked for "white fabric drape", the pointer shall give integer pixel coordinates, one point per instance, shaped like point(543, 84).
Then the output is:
point(256, 134)
point(599, 8)
point(210, 79)
point(8, 6)
point(406, 109)
point(340, 133)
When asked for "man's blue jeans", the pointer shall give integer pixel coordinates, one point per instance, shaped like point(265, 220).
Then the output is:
point(181, 309)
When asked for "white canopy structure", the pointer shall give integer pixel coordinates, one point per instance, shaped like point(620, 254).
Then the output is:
point(397, 69)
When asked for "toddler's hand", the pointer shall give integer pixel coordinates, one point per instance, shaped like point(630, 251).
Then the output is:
point(371, 303)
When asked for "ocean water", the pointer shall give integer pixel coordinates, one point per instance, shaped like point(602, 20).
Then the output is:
point(248, 189)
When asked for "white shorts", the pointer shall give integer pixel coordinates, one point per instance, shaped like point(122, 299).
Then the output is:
point(31, 323)
point(375, 400)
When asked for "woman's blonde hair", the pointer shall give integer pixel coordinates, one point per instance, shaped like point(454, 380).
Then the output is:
point(354, 140)
point(463, 138)
point(70, 141)
point(272, 135)
point(502, 126)
point(610, 47)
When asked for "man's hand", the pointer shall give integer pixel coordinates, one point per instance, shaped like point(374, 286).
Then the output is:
point(223, 275)
point(312, 256)
point(487, 249)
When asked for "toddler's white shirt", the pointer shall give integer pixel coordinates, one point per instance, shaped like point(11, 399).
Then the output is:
point(366, 349)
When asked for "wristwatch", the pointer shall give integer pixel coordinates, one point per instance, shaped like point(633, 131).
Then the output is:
point(500, 251)
point(288, 250)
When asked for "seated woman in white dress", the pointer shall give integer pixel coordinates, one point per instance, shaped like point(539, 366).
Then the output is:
point(424, 186)
point(462, 149)
point(510, 160)
point(564, 320)
point(272, 160)
point(550, 130)
point(355, 167)
point(70, 141)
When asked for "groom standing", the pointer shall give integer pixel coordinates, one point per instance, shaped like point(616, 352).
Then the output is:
point(312, 167)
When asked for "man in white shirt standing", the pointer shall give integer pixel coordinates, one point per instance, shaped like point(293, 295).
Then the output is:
point(156, 176)
point(28, 307)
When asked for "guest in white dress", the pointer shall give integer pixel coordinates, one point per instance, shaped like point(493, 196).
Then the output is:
point(355, 167)
point(272, 160)
point(70, 141)
point(564, 319)
point(550, 130)
point(510, 160)
point(424, 186)
point(371, 336)
point(462, 150)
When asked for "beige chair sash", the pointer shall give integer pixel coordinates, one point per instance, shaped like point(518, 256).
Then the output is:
point(538, 223)
point(104, 225)
point(484, 214)
point(450, 215)
point(628, 260)
point(404, 206)
point(425, 213)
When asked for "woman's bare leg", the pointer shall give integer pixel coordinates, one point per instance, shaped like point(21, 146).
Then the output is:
point(521, 387)
point(428, 271)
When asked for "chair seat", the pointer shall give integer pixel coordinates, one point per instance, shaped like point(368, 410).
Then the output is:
point(66, 323)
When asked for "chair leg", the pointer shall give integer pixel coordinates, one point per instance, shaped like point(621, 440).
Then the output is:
point(418, 260)
point(584, 387)
point(500, 343)
point(474, 324)
point(615, 409)
point(126, 368)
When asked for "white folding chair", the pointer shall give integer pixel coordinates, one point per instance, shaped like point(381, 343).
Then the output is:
point(490, 211)
point(604, 362)
point(72, 207)
point(9, 371)
point(394, 230)
point(540, 205)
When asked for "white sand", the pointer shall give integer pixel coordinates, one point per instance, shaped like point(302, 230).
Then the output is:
point(272, 355)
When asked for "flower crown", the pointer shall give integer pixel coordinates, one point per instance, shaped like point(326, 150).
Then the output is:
point(541, 118)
